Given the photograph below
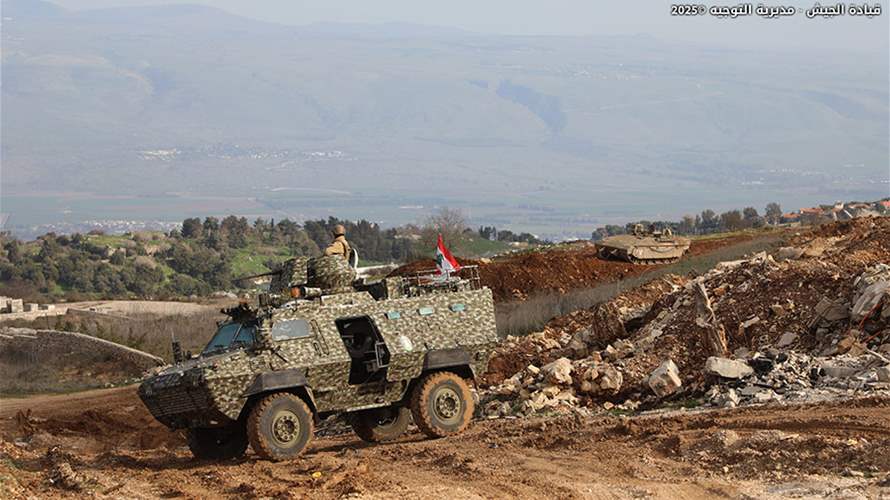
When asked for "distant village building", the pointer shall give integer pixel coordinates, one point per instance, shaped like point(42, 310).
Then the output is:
point(839, 211)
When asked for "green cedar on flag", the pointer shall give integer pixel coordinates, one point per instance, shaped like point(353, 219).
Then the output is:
point(445, 262)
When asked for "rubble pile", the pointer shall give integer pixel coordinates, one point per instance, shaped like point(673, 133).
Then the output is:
point(812, 322)
point(60, 473)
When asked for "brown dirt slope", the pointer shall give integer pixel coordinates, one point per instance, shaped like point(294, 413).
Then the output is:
point(104, 444)
point(563, 268)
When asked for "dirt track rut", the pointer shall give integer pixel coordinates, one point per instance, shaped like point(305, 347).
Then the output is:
point(761, 452)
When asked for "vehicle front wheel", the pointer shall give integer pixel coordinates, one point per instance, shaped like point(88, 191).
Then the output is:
point(280, 427)
point(442, 404)
point(217, 444)
point(380, 425)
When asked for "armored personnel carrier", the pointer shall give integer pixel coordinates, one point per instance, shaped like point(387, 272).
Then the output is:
point(320, 344)
point(641, 247)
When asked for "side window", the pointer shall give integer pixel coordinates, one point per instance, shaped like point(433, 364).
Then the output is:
point(291, 329)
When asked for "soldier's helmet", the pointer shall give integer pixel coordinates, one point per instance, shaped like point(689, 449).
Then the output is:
point(339, 230)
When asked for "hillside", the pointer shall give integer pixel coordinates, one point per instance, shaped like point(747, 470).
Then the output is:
point(170, 111)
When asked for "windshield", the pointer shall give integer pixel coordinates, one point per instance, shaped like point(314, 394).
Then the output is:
point(231, 335)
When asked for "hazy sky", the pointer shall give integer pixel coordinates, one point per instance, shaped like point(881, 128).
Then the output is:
point(563, 17)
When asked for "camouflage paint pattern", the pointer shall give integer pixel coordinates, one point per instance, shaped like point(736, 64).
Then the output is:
point(211, 391)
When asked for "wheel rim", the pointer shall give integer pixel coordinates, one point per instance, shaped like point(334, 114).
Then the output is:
point(447, 405)
point(286, 428)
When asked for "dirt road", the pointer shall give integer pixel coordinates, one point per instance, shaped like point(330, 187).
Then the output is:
point(118, 451)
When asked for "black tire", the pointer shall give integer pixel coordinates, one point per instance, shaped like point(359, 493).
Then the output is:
point(217, 444)
point(442, 404)
point(380, 425)
point(280, 426)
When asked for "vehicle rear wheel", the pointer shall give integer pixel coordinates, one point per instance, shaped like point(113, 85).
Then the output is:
point(380, 425)
point(442, 404)
point(280, 426)
point(217, 444)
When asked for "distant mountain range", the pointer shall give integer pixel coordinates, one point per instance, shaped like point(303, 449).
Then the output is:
point(160, 112)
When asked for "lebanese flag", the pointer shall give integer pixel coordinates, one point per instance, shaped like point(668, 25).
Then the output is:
point(445, 262)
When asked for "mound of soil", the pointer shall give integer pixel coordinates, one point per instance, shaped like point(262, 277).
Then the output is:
point(558, 269)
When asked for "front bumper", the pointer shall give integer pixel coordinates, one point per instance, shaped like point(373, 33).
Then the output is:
point(180, 401)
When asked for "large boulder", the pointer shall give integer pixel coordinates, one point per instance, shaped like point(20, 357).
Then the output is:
point(558, 372)
point(727, 368)
point(665, 380)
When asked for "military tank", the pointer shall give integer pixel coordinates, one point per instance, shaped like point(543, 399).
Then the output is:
point(644, 247)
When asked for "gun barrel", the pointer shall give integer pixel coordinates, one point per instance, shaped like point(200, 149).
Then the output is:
point(252, 276)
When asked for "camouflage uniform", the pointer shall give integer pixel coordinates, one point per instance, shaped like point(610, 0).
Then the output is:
point(338, 247)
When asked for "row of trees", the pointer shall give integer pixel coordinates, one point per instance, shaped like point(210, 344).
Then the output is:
point(305, 239)
point(706, 222)
point(197, 258)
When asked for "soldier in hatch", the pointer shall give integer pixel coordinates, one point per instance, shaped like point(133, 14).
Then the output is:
point(339, 246)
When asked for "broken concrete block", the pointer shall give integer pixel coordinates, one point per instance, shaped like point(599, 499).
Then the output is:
point(665, 379)
point(558, 372)
point(30, 307)
point(838, 371)
point(789, 253)
point(727, 368)
point(831, 310)
point(786, 339)
point(869, 300)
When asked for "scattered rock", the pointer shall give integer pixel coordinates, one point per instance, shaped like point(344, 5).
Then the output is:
point(883, 373)
point(665, 380)
point(558, 372)
point(786, 339)
point(789, 253)
point(610, 379)
point(777, 310)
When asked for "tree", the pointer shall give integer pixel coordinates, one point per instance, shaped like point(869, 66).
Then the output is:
point(235, 231)
point(709, 220)
point(211, 225)
point(687, 225)
point(13, 251)
point(731, 220)
point(750, 213)
point(451, 224)
point(773, 213)
point(192, 228)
